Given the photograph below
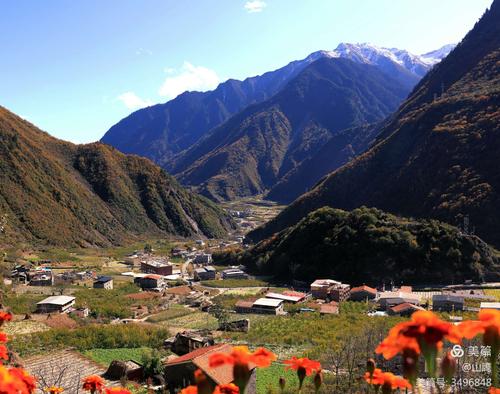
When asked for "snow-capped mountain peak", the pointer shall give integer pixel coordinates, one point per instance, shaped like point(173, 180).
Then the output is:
point(380, 56)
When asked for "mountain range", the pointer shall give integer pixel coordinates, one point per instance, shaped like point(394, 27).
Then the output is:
point(169, 133)
point(437, 156)
point(57, 193)
point(252, 151)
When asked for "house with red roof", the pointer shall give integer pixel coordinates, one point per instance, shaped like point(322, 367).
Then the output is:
point(405, 309)
point(179, 371)
point(363, 293)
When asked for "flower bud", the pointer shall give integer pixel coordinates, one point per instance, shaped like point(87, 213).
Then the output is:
point(410, 365)
point(301, 373)
point(202, 383)
point(370, 366)
point(282, 383)
point(448, 367)
point(318, 380)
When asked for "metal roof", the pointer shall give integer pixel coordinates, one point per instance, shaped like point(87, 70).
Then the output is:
point(284, 297)
point(490, 305)
point(268, 302)
point(104, 279)
point(57, 300)
point(448, 297)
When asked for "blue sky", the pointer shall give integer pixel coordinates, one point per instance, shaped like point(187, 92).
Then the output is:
point(74, 68)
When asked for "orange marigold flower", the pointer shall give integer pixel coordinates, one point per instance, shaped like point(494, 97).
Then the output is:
point(3, 337)
point(386, 379)
point(489, 322)
point(116, 390)
point(5, 316)
point(424, 330)
point(309, 366)
point(54, 390)
point(242, 356)
point(227, 389)
point(93, 383)
point(375, 378)
point(4, 354)
point(190, 390)
point(16, 380)
point(493, 390)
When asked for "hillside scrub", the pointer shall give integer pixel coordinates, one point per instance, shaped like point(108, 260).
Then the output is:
point(369, 246)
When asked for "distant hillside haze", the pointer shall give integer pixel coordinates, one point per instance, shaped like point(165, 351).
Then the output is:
point(437, 156)
point(162, 131)
point(252, 151)
point(57, 193)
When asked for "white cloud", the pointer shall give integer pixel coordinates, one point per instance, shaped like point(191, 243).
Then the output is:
point(189, 77)
point(255, 6)
point(132, 101)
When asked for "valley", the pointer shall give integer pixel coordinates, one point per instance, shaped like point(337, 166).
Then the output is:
point(329, 225)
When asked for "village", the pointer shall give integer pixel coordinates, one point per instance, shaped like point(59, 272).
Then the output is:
point(201, 303)
point(193, 303)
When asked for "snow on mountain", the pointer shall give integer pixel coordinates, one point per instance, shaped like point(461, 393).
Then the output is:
point(439, 54)
point(380, 56)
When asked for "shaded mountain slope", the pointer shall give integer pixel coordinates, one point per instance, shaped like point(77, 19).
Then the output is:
point(256, 148)
point(339, 150)
point(370, 246)
point(163, 130)
point(54, 192)
point(438, 157)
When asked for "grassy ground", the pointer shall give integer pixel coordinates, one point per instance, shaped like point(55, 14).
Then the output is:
point(107, 303)
point(194, 321)
point(22, 303)
point(233, 283)
point(24, 327)
point(175, 311)
point(105, 356)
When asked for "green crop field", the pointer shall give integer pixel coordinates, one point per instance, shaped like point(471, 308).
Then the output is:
point(105, 356)
point(173, 312)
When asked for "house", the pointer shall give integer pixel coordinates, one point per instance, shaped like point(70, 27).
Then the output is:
point(447, 302)
point(41, 278)
point(129, 370)
point(267, 306)
point(331, 308)
point(186, 341)
point(490, 305)
point(363, 293)
point(329, 289)
point(178, 252)
point(404, 309)
point(388, 299)
point(151, 281)
point(82, 313)
point(103, 282)
point(203, 258)
point(179, 372)
point(243, 306)
point(205, 273)
point(286, 298)
point(59, 304)
point(156, 267)
point(303, 296)
point(234, 273)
